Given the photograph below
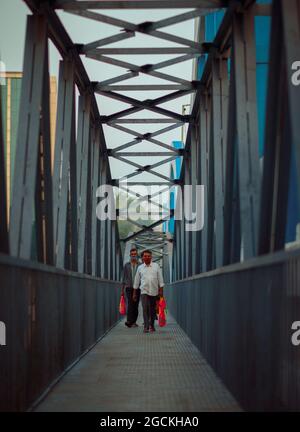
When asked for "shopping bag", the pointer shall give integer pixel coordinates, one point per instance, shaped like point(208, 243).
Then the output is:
point(162, 314)
point(122, 305)
point(157, 307)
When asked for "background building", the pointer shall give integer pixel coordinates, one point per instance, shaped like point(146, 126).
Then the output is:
point(11, 96)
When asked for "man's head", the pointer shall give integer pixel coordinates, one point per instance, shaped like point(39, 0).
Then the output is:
point(147, 256)
point(133, 254)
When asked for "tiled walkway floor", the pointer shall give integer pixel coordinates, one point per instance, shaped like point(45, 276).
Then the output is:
point(131, 371)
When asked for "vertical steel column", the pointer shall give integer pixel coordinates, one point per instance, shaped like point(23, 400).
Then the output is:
point(174, 273)
point(114, 228)
point(219, 114)
point(198, 155)
point(178, 244)
point(291, 37)
point(39, 216)
point(247, 127)
point(166, 266)
point(73, 191)
point(178, 248)
point(63, 144)
point(95, 185)
point(103, 223)
point(98, 245)
point(210, 250)
point(48, 193)
point(89, 203)
point(117, 251)
point(4, 243)
point(44, 211)
point(183, 247)
point(281, 126)
point(195, 180)
point(83, 145)
point(117, 260)
point(232, 243)
point(204, 126)
point(23, 199)
point(188, 234)
point(175, 254)
point(113, 249)
point(67, 261)
point(182, 232)
point(109, 247)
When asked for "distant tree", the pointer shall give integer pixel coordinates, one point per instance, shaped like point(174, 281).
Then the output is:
point(125, 226)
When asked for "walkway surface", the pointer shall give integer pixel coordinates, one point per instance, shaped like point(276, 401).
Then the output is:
point(132, 371)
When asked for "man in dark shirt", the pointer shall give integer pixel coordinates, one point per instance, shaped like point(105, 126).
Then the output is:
point(129, 272)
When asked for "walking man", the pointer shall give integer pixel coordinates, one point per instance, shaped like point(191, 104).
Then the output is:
point(149, 279)
point(129, 272)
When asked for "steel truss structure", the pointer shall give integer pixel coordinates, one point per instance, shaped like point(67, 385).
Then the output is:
point(53, 208)
point(246, 209)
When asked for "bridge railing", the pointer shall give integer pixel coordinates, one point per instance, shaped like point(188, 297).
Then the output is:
point(52, 317)
point(240, 317)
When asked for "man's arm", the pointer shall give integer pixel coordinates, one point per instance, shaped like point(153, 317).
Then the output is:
point(160, 281)
point(136, 284)
point(123, 279)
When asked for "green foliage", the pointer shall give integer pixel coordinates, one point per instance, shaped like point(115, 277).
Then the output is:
point(125, 226)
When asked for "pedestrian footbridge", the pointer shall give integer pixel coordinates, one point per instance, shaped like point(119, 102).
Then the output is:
point(132, 371)
point(232, 276)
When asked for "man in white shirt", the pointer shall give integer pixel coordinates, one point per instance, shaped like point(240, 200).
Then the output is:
point(150, 281)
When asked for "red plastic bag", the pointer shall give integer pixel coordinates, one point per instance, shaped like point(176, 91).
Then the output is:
point(122, 305)
point(161, 314)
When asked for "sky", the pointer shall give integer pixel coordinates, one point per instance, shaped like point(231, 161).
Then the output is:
point(81, 30)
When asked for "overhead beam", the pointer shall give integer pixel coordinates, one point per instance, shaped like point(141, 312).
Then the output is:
point(149, 87)
point(125, 25)
point(116, 182)
point(144, 120)
point(142, 51)
point(118, 79)
point(141, 169)
point(168, 77)
point(139, 4)
point(156, 74)
point(141, 197)
point(101, 42)
point(96, 54)
point(149, 228)
point(145, 154)
point(147, 137)
point(178, 18)
point(150, 105)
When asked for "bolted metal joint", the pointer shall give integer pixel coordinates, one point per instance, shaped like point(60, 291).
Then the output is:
point(146, 67)
point(103, 119)
point(79, 48)
point(177, 182)
point(145, 26)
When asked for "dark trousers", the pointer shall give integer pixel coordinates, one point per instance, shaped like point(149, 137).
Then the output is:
point(132, 306)
point(148, 303)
